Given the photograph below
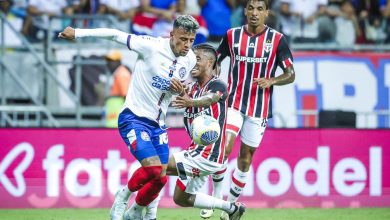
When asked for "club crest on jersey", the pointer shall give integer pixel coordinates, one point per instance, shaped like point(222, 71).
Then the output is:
point(182, 72)
point(145, 136)
point(268, 46)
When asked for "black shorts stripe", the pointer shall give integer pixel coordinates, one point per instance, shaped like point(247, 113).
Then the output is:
point(234, 193)
point(182, 172)
point(217, 180)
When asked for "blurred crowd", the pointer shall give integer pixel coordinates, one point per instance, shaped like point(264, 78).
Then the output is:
point(345, 22)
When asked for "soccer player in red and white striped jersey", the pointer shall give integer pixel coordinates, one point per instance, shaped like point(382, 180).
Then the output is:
point(255, 51)
point(208, 96)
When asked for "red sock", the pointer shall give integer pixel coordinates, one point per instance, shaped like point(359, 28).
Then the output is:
point(142, 176)
point(150, 191)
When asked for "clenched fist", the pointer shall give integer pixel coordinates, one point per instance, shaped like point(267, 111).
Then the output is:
point(68, 34)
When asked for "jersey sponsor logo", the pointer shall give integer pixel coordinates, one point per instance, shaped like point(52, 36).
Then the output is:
point(251, 45)
point(161, 83)
point(145, 136)
point(182, 72)
point(194, 115)
point(251, 59)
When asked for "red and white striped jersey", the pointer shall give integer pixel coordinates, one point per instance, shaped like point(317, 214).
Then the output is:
point(213, 152)
point(253, 56)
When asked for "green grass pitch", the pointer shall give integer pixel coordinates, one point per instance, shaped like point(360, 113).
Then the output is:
point(192, 213)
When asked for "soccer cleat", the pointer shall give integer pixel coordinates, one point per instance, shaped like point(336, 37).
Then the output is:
point(238, 212)
point(206, 213)
point(119, 207)
point(224, 216)
point(133, 213)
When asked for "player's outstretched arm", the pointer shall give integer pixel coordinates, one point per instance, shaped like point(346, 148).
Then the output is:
point(70, 33)
point(203, 102)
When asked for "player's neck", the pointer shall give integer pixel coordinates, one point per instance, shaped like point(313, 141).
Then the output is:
point(203, 81)
point(255, 29)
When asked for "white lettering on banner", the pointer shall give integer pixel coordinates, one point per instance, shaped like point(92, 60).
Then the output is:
point(320, 167)
point(92, 167)
point(375, 171)
point(20, 187)
point(114, 166)
point(333, 83)
point(263, 172)
point(53, 164)
point(341, 175)
point(349, 175)
point(351, 170)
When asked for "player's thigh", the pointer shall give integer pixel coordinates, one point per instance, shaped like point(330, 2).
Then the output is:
point(234, 121)
point(137, 137)
point(193, 172)
point(160, 143)
point(191, 185)
point(252, 131)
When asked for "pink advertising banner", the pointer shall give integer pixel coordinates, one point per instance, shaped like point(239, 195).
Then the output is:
point(51, 168)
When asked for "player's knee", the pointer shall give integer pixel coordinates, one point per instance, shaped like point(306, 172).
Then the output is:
point(154, 172)
point(160, 182)
point(245, 161)
point(180, 201)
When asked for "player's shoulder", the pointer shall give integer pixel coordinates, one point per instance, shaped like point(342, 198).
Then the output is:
point(271, 30)
point(218, 82)
point(233, 29)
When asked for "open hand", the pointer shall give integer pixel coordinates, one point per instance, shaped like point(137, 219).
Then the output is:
point(68, 33)
point(177, 87)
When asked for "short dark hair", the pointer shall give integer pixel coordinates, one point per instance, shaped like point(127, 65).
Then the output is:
point(265, 2)
point(187, 22)
point(209, 50)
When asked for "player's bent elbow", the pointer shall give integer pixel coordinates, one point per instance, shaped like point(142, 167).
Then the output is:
point(291, 78)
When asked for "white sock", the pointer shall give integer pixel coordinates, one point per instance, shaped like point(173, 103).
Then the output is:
point(151, 209)
point(218, 182)
point(237, 185)
point(204, 201)
point(124, 193)
point(136, 207)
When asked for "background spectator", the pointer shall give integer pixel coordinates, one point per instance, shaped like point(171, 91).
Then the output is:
point(124, 11)
point(347, 26)
point(306, 20)
point(217, 15)
point(121, 75)
point(39, 13)
point(85, 6)
point(10, 37)
point(153, 11)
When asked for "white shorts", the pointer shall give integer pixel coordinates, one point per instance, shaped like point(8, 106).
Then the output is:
point(193, 171)
point(252, 129)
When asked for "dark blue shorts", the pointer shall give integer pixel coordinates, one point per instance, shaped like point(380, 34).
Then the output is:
point(144, 137)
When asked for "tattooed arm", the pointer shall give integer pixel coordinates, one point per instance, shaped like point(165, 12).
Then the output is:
point(204, 101)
